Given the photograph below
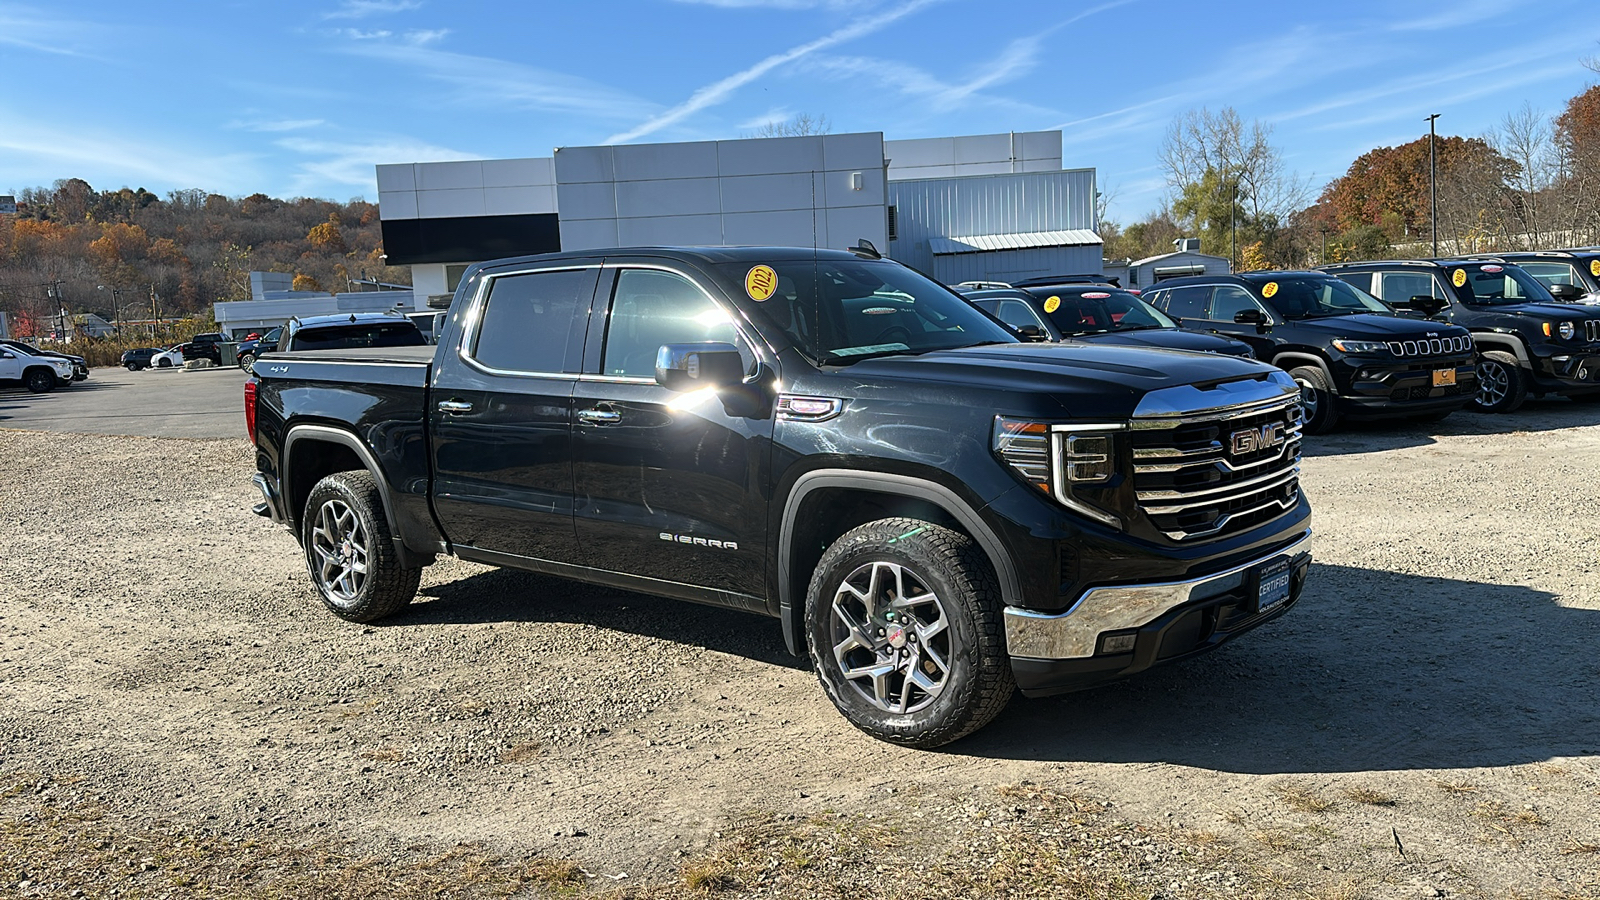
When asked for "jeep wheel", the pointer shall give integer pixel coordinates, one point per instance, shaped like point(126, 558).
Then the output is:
point(350, 551)
point(903, 625)
point(40, 381)
point(1316, 399)
point(1502, 384)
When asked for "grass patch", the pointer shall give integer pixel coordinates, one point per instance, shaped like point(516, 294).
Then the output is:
point(1369, 797)
point(1577, 847)
point(1303, 799)
point(1456, 787)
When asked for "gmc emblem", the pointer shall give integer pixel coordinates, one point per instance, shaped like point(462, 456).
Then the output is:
point(1252, 439)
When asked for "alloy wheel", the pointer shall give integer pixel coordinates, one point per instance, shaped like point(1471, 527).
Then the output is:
point(340, 547)
point(1309, 401)
point(1494, 382)
point(891, 637)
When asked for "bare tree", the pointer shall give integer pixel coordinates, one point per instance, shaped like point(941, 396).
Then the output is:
point(798, 126)
point(1201, 142)
point(1527, 138)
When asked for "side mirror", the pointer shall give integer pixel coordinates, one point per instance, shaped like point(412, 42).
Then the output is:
point(1031, 332)
point(7, 354)
point(1566, 293)
point(1249, 317)
point(690, 367)
point(1426, 304)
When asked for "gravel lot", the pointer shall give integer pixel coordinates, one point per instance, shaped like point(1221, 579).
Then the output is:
point(174, 704)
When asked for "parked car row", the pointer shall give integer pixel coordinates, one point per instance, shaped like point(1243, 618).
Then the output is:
point(40, 371)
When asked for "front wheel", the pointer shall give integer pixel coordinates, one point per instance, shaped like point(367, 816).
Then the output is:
point(1316, 399)
point(248, 363)
point(903, 622)
point(350, 550)
point(1502, 383)
point(40, 381)
point(164, 364)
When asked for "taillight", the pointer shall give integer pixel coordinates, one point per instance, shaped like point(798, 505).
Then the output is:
point(250, 409)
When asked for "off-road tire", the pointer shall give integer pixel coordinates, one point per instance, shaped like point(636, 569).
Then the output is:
point(386, 586)
point(1317, 399)
point(949, 564)
point(1502, 383)
point(40, 381)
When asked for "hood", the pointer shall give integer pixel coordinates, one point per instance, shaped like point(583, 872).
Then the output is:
point(1377, 327)
point(1168, 339)
point(1541, 312)
point(1082, 378)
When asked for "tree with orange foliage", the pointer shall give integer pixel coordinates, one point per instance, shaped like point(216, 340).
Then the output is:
point(327, 236)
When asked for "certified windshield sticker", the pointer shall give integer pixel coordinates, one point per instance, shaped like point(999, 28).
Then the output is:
point(760, 283)
point(1459, 277)
point(1270, 290)
point(1097, 295)
point(1052, 304)
point(1594, 267)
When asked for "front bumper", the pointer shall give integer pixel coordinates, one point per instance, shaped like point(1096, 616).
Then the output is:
point(1053, 653)
point(1378, 389)
point(1576, 371)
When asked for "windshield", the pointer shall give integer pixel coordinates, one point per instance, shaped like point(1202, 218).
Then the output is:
point(1496, 284)
point(841, 311)
point(347, 337)
point(1097, 312)
point(1312, 298)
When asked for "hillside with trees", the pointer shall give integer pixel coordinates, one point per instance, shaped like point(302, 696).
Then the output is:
point(130, 251)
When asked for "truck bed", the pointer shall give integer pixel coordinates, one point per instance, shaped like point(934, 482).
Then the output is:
point(399, 366)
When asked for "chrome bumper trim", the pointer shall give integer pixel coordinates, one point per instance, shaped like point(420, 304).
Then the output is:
point(1074, 633)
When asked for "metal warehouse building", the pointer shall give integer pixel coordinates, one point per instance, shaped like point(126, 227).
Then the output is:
point(993, 206)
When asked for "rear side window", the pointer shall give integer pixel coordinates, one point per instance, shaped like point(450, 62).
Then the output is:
point(1361, 281)
point(1400, 287)
point(1229, 301)
point(1187, 302)
point(351, 337)
point(1552, 273)
point(534, 321)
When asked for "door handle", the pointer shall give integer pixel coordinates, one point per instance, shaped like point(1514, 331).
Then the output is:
point(454, 406)
point(599, 416)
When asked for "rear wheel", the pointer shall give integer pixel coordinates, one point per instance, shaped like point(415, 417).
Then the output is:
point(1502, 383)
point(131, 366)
point(903, 622)
point(40, 381)
point(1316, 399)
point(350, 551)
point(248, 363)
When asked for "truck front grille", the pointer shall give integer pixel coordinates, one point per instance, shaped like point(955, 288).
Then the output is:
point(1431, 346)
point(1218, 472)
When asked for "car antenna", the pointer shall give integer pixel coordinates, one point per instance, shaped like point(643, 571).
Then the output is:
point(865, 250)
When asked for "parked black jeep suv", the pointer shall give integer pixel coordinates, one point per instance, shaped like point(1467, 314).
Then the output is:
point(1098, 313)
point(1351, 355)
point(1529, 342)
point(1571, 276)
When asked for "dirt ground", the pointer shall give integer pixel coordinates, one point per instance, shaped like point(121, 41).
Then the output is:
point(179, 716)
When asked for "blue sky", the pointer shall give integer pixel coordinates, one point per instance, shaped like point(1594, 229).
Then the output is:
point(303, 99)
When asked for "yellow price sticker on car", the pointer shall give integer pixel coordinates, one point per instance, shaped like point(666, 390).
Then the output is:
point(760, 283)
point(1269, 290)
point(1459, 277)
point(1594, 267)
point(1052, 304)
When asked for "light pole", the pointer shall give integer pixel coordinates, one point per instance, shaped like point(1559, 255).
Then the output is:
point(1433, 181)
point(1233, 227)
point(116, 306)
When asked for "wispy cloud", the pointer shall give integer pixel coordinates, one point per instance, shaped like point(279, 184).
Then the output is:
point(361, 9)
point(27, 144)
point(353, 162)
point(1460, 14)
point(275, 125)
point(775, 4)
point(30, 29)
point(416, 37)
point(773, 116)
point(486, 82)
point(719, 91)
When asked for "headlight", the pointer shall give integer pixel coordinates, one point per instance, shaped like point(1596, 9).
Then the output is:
point(1061, 460)
point(1568, 329)
point(1359, 347)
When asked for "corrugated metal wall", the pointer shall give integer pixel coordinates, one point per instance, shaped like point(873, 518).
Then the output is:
point(1012, 265)
point(988, 204)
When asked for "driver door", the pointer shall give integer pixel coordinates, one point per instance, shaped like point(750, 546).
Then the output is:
point(10, 365)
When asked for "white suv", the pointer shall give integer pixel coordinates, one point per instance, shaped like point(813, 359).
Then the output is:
point(38, 373)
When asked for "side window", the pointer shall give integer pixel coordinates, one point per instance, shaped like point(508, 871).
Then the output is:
point(1551, 273)
point(1361, 281)
point(1228, 300)
point(651, 308)
point(534, 321)
point(1013, 312)
point(1188, 302)
point(1400, 287)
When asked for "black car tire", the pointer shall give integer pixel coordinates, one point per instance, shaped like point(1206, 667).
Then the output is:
point(1502, 383)
point(164, 364)
point(1316, 399)
point(961, 627)
point(132, 366)
point(247, 362)
point(40, 381)
point(343, 526)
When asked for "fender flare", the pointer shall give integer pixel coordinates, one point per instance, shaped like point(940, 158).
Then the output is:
point(1503, 340)
point(791, 612)
point(344, 438)
point(1294, 356)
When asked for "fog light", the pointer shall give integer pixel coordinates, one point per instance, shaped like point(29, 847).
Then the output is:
point(1118, 642)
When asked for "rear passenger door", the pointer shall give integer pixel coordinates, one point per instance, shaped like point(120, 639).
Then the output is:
point(502, 418)
point(669, 486)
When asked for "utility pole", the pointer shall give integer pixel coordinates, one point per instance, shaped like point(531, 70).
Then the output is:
point(155, 317)
point(1433, 181)
point(116, 307)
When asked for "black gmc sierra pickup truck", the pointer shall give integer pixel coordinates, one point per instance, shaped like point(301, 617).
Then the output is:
point(937, 513)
